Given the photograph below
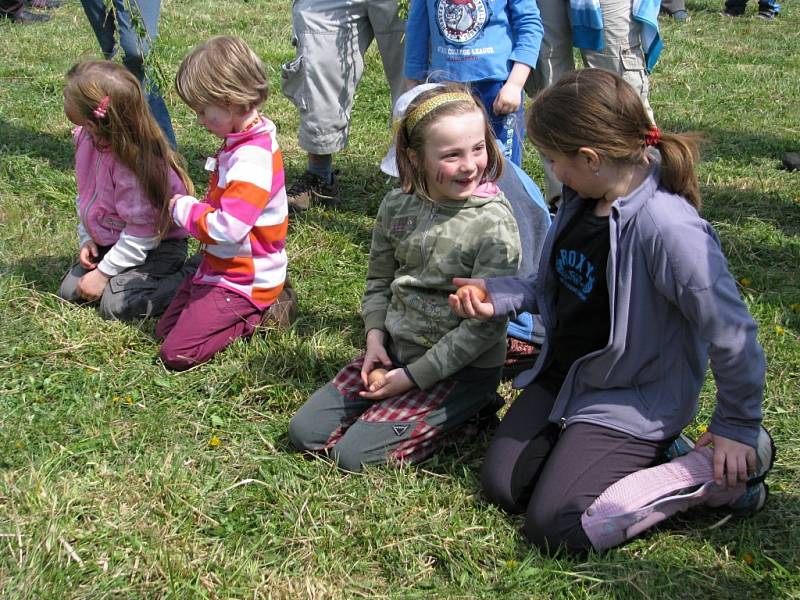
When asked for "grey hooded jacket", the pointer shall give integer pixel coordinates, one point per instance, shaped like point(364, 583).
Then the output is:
point(674, 305)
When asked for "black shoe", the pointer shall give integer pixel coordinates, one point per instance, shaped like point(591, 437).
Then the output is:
point(767, 14)
point(791, 161)
point(25, 17)
point(43, 4)
point(310, 189)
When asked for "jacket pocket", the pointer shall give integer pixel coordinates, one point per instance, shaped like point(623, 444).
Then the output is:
point(132, 280)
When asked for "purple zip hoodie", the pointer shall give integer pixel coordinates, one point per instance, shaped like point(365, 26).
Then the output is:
point(673, 305)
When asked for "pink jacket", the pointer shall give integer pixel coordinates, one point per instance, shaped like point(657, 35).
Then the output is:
point(111, 204)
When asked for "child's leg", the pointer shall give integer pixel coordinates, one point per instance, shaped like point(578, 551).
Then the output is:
point(519, 449)
point(68, 290)
point(405, 428)
point(146, 290)
point(585, 461)
point(326, 415)
point(622, 52)
point(211, 319)
point(410, 427)
point(647, 497)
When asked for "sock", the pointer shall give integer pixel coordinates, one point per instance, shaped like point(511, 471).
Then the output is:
point(322, 166)
point(637, 502)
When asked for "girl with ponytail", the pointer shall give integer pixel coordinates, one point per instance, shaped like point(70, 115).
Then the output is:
point(636, 297)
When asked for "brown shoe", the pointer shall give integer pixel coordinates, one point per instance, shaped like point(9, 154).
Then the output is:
point(281, 313)
point(312, 189)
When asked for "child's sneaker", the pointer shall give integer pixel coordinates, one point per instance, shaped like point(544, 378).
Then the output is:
point(757, 491)
point(766, 14)
point(281, 313)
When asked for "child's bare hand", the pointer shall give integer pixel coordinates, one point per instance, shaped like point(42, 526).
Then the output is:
point(375, 355)
point(466, 302)
point(733, 461)
point(394, 383)
point(508, 99)
point(88, 255)
point(92, 285)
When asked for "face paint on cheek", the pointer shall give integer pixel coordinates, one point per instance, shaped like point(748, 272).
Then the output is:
point(439, 176)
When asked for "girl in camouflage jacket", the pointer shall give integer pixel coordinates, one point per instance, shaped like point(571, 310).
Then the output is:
point(425, 372)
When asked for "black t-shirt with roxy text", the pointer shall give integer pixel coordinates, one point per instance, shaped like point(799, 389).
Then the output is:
point(583, 318)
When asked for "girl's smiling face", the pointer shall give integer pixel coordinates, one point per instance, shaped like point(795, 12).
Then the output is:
point(455, 156)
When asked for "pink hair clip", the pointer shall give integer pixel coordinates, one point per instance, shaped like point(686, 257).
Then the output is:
point(100, 111)
point(653, 137)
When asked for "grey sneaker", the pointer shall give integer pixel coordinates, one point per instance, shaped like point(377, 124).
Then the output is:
point(683, 444)
point(312, 189)
point(757, 491)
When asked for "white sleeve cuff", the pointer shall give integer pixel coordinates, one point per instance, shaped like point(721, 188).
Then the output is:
point(129, 251)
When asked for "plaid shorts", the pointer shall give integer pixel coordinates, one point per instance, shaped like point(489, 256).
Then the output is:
point(414, 406)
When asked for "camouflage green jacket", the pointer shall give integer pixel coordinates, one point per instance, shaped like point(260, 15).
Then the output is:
point(418, 246)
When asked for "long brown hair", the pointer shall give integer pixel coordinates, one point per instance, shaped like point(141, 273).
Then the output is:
point(127, 129)
point(597, 109)
point(412, 177)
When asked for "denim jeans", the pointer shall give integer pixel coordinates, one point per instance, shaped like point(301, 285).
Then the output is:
point(508, 129)
point(134, 46)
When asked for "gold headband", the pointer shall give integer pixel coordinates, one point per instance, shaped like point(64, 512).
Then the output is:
point(432, 104)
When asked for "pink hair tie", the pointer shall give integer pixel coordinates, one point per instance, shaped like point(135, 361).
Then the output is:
point(100, 111)
point(653, 137)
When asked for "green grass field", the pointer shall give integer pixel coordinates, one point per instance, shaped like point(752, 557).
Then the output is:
point(119, 479)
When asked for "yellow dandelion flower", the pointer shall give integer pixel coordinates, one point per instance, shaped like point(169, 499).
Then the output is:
point(511, 564)
point(115, 400)
point(779, 330)
point(748, 558)
point(19, 445)
point(214, 441)
point(745, 281)
point(702, 428)
point(128, 400)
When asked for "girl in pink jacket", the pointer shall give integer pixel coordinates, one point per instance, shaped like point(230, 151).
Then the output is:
point(131, 256)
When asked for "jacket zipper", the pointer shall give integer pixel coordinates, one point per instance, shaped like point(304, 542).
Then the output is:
point(92, 200)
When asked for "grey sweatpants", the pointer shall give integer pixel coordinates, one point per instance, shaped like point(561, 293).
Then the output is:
point(139, 292)
point(332, 37)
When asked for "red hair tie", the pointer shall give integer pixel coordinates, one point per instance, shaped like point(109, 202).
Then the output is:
point(653, 136)
point(100, 111)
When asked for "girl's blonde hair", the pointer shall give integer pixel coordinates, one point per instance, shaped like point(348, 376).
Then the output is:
point(127, 128)
point(597, 109)
point(222, 71)
point(412, 177)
